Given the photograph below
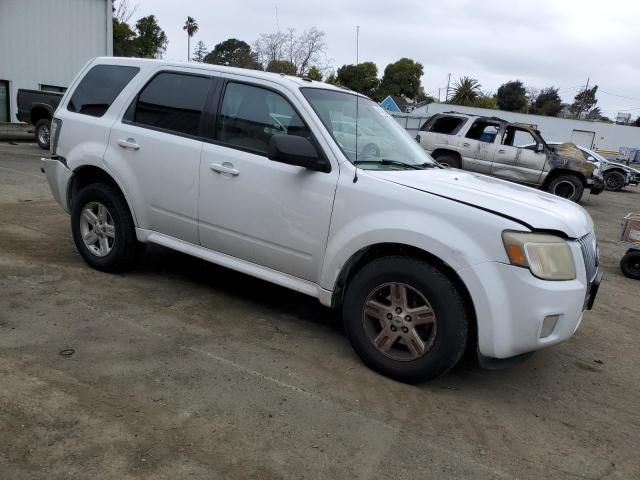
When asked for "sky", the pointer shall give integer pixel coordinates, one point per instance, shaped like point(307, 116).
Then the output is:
point(542, 43)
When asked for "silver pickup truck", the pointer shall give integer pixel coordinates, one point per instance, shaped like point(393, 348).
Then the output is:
point(495, 147)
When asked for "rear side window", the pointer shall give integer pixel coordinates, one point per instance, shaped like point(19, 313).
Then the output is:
point(173, 102)
point(448, 125)
point(250, 116)
point(99, 88)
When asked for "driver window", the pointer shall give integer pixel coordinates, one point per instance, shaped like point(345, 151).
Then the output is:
point(250, 116)
point(517, 137)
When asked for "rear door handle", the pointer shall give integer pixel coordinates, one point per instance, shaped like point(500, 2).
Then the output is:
point(129, 143)
point(225, 167)
point(500, 151)
point(466, 144)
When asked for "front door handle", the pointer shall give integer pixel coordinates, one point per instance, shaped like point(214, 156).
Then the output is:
point(225, 167)
point(500, 151)
point(129, 143)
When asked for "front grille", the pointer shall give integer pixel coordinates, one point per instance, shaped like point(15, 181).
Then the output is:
point(589, 250)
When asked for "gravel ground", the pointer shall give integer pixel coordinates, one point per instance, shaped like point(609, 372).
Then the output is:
point(182, 369)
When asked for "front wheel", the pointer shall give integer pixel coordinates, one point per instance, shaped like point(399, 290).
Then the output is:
point(567, 186)
point(103, 229)
point(630, 264)
point(43, 133)
point(405, 319)
point(614, 181)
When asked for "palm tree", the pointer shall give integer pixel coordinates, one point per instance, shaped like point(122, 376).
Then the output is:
point(466, 91)
point(191, 27)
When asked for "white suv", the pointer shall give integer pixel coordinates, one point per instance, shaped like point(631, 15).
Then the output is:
point(243, 169)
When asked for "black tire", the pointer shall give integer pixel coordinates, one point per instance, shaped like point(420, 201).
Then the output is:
point(630, 264)
point(451, 318)
point(449, 160)
point(125, 246)
point(567, 186)
point(43, 133)
point(614, 181)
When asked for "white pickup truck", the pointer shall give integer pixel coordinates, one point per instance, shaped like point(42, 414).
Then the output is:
point(496, 147)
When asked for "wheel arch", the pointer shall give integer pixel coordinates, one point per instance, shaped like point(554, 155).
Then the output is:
point(39, 112)
point(556, 172)
point(366, 255)
point(87, 174)
point(439, 152)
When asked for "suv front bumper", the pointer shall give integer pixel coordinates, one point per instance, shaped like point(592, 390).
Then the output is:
point(596, 185)
point(514, 309)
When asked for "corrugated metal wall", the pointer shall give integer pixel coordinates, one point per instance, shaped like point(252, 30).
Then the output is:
point(48, 41)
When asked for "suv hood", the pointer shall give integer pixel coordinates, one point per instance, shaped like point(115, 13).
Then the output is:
point(534, 208)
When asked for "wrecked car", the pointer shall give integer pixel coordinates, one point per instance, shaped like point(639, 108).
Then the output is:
point(495, 147)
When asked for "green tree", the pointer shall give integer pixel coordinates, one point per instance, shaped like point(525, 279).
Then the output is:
point(584, 101)
point(233, 53)
point(401, 78)
point(314, 73)
point(191, 27)
point(486, 100)
point(124, 40)
point(466, 91)
point(151, 41)
point(512, 96)
point(548, 102)
point(331, 79)
point(361, 78)
point(281, 66)
point(199, 52)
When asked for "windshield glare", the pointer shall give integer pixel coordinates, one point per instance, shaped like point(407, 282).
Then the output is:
point(379, 136)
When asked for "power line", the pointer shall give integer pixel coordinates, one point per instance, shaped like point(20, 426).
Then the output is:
point(616, 95)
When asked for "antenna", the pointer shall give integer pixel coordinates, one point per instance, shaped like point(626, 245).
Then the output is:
point(355, 175)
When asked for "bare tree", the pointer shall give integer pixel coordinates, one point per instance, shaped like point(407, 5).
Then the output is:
point(303, 51)
point(124, 11)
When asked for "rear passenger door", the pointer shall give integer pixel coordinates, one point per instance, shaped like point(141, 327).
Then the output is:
point(478, 146)
point(252, 208)
point(155, 151)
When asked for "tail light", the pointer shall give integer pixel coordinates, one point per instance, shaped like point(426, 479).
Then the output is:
point(56, 126)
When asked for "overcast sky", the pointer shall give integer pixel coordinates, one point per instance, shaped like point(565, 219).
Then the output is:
point(542, 42)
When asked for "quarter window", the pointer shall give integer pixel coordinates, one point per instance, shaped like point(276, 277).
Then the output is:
point(173, 102)
point(99, 88)
point(250, 116)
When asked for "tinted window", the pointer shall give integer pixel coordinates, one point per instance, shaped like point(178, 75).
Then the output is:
point(447, 125)
point(99, 88)
point(172, 101)
point(250, 116)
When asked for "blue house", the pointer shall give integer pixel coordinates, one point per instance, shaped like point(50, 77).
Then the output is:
point(396, 104)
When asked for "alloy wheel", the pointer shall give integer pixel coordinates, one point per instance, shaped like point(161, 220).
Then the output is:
point(97, 229)
point(399, 321)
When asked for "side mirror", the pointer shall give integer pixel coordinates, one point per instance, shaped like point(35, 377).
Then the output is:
point(539, 148)
point(298, 151)
point(591, 159)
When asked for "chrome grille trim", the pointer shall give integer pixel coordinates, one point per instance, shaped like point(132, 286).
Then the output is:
point(589, 250)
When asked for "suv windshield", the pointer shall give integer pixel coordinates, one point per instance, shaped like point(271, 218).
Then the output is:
point(381, 143)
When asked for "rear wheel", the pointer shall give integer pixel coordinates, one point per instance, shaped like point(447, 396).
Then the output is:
point(103, 229)
point(405, 319)
point(630, 264)
point(449, 161)
point(567, 186)
point(614, 181)
point(43, 133)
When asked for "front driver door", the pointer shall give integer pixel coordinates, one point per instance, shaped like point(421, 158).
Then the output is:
point(513, 161)
point(253, 208)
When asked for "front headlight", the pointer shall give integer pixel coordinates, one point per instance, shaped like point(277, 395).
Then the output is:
point(547, 256)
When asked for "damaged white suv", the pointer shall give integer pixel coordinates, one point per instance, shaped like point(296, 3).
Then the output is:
point(245, 169)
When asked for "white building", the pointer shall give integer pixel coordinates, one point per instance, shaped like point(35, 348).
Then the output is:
point(605, 137)
point(44, 43)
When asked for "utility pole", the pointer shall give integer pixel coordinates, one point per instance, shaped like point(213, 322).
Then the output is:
point(584, 99)
point(447, 95)
point(438, 95)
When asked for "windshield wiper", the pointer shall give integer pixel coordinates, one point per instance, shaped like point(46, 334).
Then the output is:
point(385, 161)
